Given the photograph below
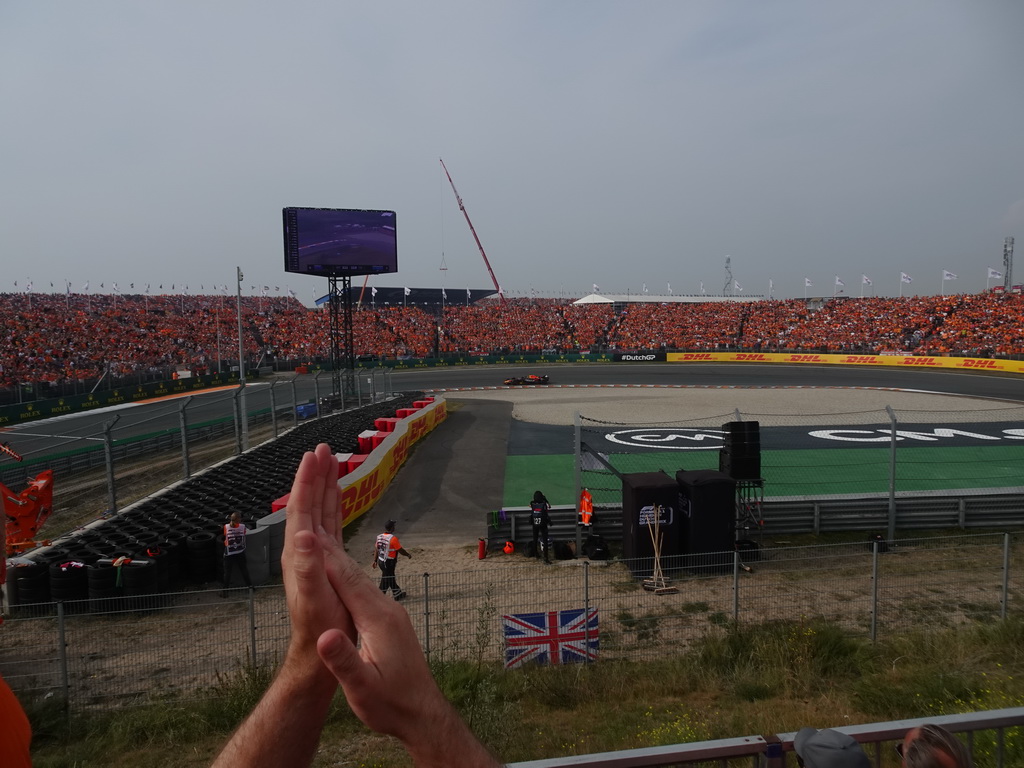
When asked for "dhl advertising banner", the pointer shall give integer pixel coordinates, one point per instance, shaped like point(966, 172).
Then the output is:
point(896, 361)
point(363, 487)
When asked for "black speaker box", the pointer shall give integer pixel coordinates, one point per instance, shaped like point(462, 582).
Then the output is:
point(742, 437)
point(707, 511)
point(739, 466)
point(641, 493)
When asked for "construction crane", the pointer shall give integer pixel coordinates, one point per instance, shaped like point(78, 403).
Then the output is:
point(497, 288)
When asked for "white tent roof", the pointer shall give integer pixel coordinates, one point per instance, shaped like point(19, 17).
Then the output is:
point(646, 298)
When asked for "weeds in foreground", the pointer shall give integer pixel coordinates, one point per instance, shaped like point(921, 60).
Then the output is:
point(774, 677)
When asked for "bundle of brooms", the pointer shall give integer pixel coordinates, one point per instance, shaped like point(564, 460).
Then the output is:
point(658, 582)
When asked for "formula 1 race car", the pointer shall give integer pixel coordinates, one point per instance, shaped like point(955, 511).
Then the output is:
point(532, 378)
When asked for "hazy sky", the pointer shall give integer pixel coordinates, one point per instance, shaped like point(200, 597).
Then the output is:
point(609, 143)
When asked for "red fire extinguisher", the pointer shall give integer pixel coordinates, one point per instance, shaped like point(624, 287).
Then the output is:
point(481, 549)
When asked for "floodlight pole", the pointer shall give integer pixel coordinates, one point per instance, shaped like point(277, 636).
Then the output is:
point(243, 413)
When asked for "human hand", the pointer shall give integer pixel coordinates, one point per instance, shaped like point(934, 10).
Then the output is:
point(314, 606)
point(386, 679)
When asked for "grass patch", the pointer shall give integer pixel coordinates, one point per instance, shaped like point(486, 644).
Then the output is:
point(774, 677)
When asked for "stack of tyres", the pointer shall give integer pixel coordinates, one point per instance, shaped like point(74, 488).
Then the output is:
point(32, 584)
point(201, 560)
point(69, 585)
point(104, 592)
point(139, 582)
point(160, 557)
point(177, 551)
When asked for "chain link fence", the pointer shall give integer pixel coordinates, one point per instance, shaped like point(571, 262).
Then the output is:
point(99, 471)
point(121, 650)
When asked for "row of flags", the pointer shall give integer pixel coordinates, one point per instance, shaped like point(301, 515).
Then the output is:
point(903, 278)
point(444, 294)
point(184, 289)
point(839, 282)
point(993, 274)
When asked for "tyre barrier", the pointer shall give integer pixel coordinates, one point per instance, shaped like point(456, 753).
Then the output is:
point(184, 524)
point(200, 562)
point(32, 584)
point(139, 582)
point(69, 584)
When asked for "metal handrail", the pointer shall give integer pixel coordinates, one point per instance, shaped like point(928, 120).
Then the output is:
point(755, 747)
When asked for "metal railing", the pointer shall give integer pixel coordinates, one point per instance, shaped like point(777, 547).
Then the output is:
point(985, 734)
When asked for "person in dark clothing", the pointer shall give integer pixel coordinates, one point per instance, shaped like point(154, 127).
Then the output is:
point(234, 551)
point(539, 520)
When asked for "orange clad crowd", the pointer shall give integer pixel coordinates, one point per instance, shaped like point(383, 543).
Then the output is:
point(61, 338)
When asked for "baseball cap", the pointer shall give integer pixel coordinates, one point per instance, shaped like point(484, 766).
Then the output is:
point(389, 525)
point(829, 749)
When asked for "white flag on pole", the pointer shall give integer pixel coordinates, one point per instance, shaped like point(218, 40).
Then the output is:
point(645, 288)
point(994, 274)
point(444, 295)
point(947, 275)
point(737, 286)
point(596, 289)
point(669, 286)
point(702, 287)
point(905, 278)
point(407, 291)
point(808, 283)
point(373, 290)
point(865, 280)
point(839, 283)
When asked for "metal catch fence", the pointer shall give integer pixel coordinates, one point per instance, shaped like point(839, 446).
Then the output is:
point(123, 649)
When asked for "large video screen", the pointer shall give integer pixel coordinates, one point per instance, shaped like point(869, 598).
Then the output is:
point(339, 241)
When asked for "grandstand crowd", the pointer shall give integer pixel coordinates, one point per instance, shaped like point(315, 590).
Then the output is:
point(56, 338)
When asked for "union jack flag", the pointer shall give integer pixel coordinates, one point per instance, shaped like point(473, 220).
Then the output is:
point(552, 637)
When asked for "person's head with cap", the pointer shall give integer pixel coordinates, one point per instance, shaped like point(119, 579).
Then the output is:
point(389, 526)
point(932, 746)
point(828, 749)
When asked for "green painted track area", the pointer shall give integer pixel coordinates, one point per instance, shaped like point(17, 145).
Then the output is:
point(827, 472)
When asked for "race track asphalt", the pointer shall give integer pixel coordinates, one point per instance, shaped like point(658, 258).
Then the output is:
point(452, 477)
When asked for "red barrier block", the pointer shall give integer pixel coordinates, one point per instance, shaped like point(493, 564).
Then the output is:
point(356, 460)
point(386, 424)
point(278, 504)
point(365, 440)
point(422, 403)
point(379, 438)
point(343, 460)
point(404, 413)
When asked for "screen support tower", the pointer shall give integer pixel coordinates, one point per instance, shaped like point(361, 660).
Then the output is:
point(343, 358)
point(727, 288)
point(1008, 264)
